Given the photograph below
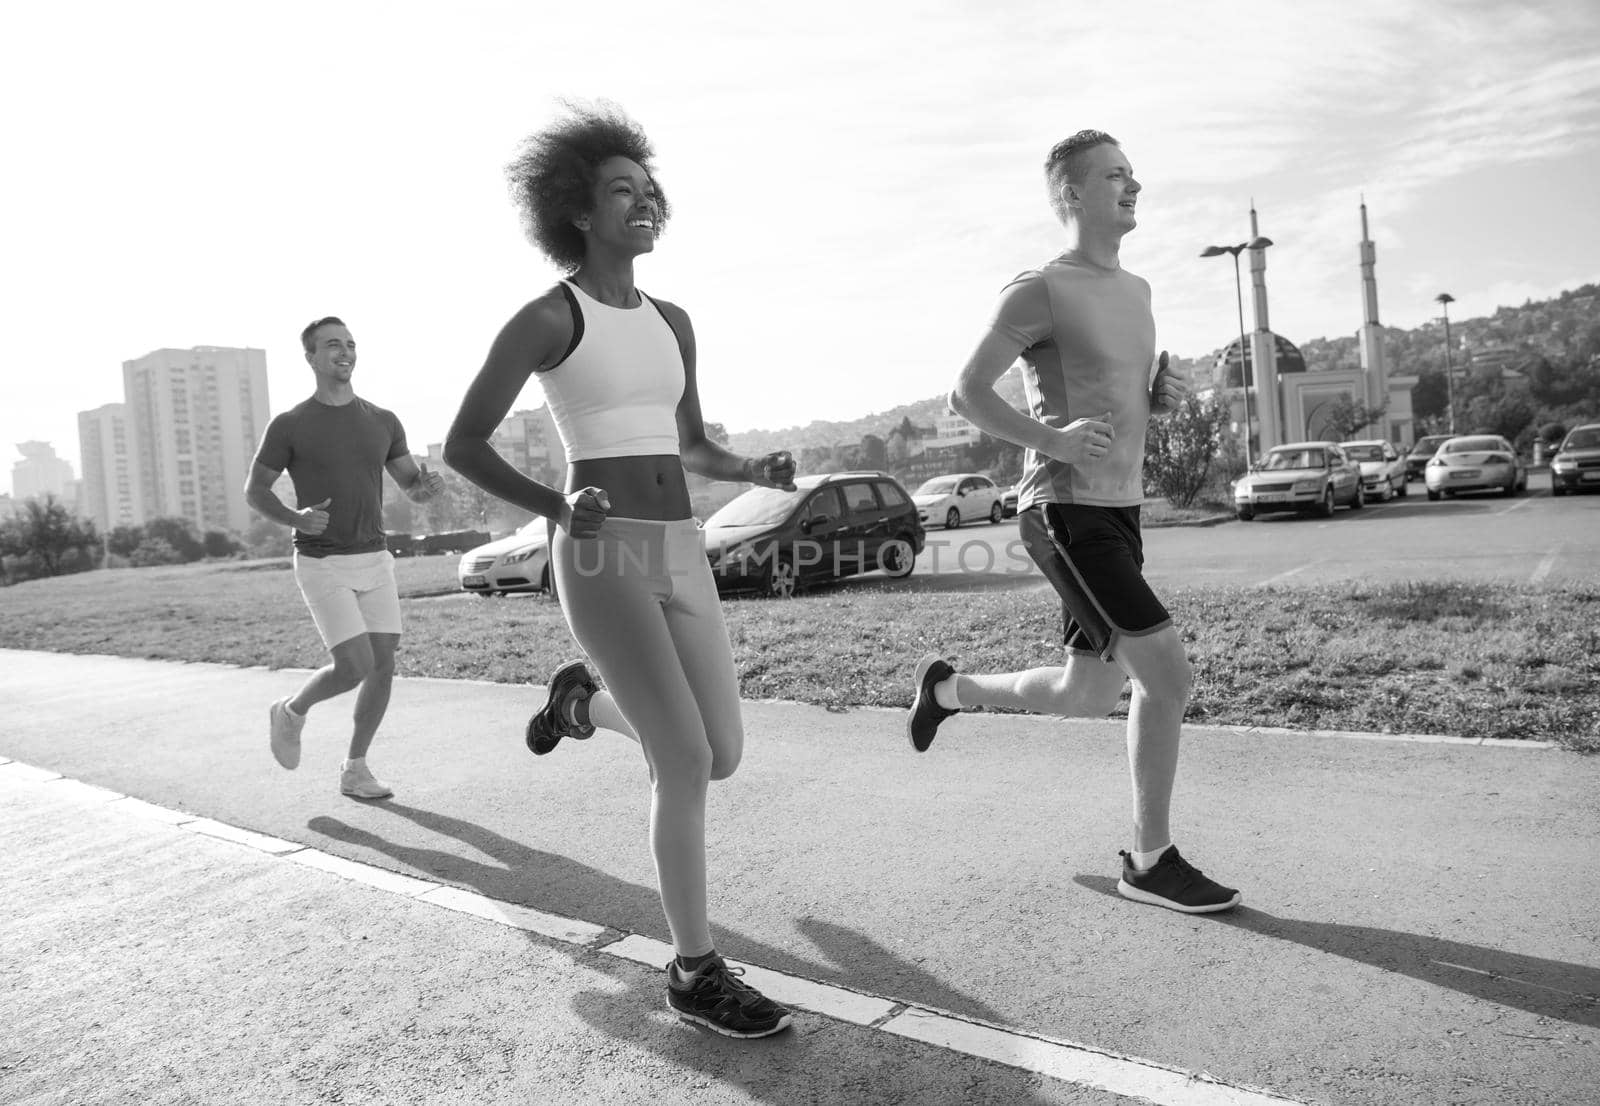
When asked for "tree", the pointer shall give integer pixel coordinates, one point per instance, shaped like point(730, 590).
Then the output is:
point(718, 433)
point(1430, 395)
point(1346, 416)
point(53, 538)
point(155, 551)
point(123, 540)
point(179, 534)
point(1180, 448)
point(216, 543)
point(873, 453)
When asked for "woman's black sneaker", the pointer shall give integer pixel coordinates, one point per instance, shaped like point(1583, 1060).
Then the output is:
point(549, 723)
point(714, 996)
point(926, 713)
point(1176, 884)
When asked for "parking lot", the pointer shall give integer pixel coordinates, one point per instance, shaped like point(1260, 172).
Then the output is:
point(1532, 538)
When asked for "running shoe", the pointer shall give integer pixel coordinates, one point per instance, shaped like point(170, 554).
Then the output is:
point(549, 723)
point(926, 713)
point(1176, 884)
point(714, 996)
point(284, 727)
point(358, 782)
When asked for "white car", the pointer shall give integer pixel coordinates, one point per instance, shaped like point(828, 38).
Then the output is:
point(1475, 463)
point(949, 501)
point(1383, 469)
point(517, 562)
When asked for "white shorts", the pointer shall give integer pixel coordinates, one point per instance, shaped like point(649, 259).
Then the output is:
point(350, 594)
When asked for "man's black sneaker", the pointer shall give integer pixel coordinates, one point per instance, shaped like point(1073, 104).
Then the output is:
point(1175, 884)
point(926, 713)
point(549, 723)
point(714, 996)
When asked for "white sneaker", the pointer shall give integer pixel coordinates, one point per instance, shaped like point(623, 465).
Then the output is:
point(285, 727)
point(358, 782)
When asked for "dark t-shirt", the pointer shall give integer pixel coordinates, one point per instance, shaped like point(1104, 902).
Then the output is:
point(338, 454)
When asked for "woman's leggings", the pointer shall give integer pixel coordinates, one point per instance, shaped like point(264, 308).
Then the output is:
point(641, 601)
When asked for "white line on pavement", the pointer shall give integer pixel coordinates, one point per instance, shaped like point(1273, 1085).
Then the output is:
point(1285, 575)
point(1066, 1061)
point(1546, 565)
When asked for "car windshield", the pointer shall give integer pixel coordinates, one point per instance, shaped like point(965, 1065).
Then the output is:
point(1428, 446)
point(1586, 438)
point(1473, 445)
point(1294, 459)
point(1364, 452)
point(756, 507)
point(939, 485)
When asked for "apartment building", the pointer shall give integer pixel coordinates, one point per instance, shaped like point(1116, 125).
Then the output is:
point(196, 416)
point(41, 473)
point(111, 488)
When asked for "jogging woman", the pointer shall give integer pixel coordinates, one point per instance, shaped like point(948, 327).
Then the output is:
point(618, 372)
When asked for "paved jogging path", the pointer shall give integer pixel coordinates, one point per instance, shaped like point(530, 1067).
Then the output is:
point(1419, 921)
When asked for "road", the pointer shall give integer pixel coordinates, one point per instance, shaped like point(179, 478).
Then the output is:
point(1529, 539)
point(1418, 919)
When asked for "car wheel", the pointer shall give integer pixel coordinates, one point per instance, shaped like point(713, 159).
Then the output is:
point(1432, 495)
point(1511, 487)
point(897, 559)
point(996, 513)
point(1404, 491)
point(547, 581)
point(1325, 508)
point(1557, 489)
point(1245, 514)
point(952, 519)
point(782, 580)
point(1360, 499)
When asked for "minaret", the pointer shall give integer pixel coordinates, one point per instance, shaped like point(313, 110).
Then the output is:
point(1264, 350)
point(1373, 362)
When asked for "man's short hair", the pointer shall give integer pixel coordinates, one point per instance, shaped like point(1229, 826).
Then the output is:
point(309, 334)
point(1065, 165)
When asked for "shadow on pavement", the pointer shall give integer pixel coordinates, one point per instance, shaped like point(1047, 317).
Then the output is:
point(827, 1062)
point(570, 889)
point(1548, 988)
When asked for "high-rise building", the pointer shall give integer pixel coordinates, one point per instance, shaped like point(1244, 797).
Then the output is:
point(196, 416)
point(41, 473)
point(528, 439)
point(111, 493)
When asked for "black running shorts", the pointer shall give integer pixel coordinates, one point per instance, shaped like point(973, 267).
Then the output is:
point(1094, 557)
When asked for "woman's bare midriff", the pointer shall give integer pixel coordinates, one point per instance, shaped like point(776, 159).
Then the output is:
point(650, 487)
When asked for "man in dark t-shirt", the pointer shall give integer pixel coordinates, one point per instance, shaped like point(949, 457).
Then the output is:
point(336, 447)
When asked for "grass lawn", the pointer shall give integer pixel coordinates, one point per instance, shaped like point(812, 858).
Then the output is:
point(1465, 659)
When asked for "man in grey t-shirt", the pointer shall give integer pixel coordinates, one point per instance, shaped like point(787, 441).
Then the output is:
point(336, 447)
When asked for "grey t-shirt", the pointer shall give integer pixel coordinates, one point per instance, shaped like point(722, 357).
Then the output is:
point(338, 454)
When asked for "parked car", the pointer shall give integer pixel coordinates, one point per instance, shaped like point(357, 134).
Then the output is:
point(1008, 502)
point(1383, 470)
point(517, 562)
point(1300, 476)
point(400, 545)
point(949, 501)
point(1476, 463)
point(1421, 453)
point(1576, 464)
point(831, 526)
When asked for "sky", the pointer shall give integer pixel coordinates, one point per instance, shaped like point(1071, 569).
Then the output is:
point(852, 183)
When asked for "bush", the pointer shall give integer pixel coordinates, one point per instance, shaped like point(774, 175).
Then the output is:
point(1181, 448)
point(155, 551)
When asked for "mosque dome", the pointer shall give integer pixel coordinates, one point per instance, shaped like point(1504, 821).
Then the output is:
point(1290, 360)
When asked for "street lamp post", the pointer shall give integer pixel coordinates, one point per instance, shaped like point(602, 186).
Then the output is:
point(1238, 291)
point(1444, 300)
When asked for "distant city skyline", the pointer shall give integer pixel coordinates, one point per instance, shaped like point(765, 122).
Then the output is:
point(852, 183)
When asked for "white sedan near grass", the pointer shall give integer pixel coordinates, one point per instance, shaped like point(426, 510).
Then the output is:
point(1383, 469)
point(1475, 463)
point(949, 501)
point(517, 562)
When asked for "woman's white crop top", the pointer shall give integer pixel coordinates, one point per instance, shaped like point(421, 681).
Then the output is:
point(616, 392)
